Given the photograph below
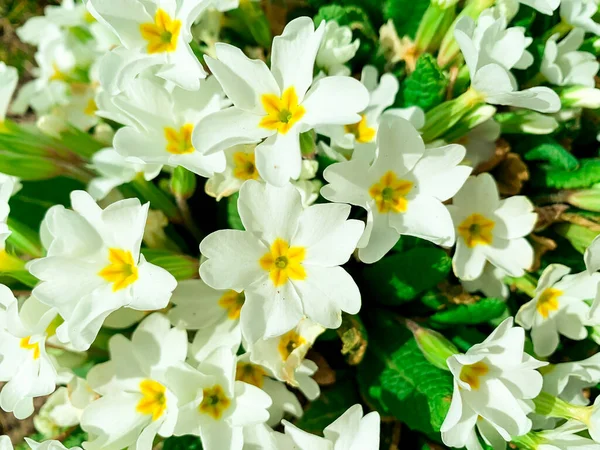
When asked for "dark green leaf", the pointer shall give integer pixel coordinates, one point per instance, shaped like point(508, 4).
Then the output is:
point(182, 443)
point(483, 311)
point(406, 15)
point(545, 148)
point(585, 176)
point(426, 86)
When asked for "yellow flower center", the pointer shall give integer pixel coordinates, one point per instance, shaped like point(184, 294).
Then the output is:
point(161, 35)
point(361, 130)
point(284, 262)
point(289, 342)
point(477, 230)
point(179, 142)
point(214, 402)
point(245, 167)
point(91, 107)
point(88, 17)
point(471, 374)
point(57, 74)
point(390, 193)
point(121, 271)
point(28, 346)
point(154, 400)
point(250, 373)
point(282, 113)
point(232, 301)
point(548, 301)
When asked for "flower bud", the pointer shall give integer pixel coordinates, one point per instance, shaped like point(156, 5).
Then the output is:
point(435, 22)
point(579, 236)
point(588, 199)
point(580, 97)
point(435, 347)
point(526, 122)
point(183, 183)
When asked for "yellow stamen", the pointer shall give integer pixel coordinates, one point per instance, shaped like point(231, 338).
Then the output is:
point(215, 402)
point(548, 301)
point(289, 342)
point(390, 193)
point(28, 346)
point(471, 374)
point(361, 130)
point(91, 107)
point(154, 401)
point(232, 301)
point(284, 262)
point(245, 167)
point(180, 142)
point(477, 230)
point(121, 271)
point(282, 113)
point(161, 35)
point(250, 373)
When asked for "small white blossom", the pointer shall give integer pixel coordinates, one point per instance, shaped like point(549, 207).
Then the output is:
point(490, 380)
point(568, 380)
point(565, 437)
point(9, 78)
point(490, 229)
point(337, 48)
point(490, 282)
point(580, 13)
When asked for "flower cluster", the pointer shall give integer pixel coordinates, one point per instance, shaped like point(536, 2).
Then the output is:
point(215, 236)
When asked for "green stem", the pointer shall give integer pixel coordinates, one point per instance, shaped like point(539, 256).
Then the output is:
point(157, 198)
point(24, 239)
point(561, 28)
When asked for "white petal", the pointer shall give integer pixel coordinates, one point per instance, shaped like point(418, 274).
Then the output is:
point(378, 238)
point(348, 183)
point(517, 217)
point(278, 159)
point(400, 147)
point(468, 262)
point(513, 256)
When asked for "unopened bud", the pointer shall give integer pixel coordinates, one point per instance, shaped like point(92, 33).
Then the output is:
point(183, 183)
point(580, 97)
point(526, 122)
point(434, 346)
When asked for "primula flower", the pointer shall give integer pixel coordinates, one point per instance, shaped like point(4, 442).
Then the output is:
point(286, 262)
point(563, 65)
point(580, 13)
point(94, 267)
point(154, 33)
point(163, 122)
point(137, 400)
point(25, 366)
point(215, 314)
point(337, 48)
point(543, 6)
point(9, 78)
point(489, 58)
point(490, 229)
point(559, 307)
point(362, 135)
point(6, 444)
point(214, 406)
point(402, 190)
point(490, 282)
point(568, 380)
point(351, 431)
point(272, 107)
point(490, 381)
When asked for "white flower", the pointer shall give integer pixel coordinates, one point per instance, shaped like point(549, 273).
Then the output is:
point(213, 405)
point(579, 13)
point(402, 190)
point(215, 314)
point(272, 107)
point(153, 33)
point(64, 407)
point(351, 431)
point(592, 256)
point(25, 366)
point(137, 398)
point(337, 48)
point(490, 57)
point(284, 401)
point(284, 354)
point(490, 282)
point(9, 78)
point(490, 229)
point(480, 142)
point(565, 437)
point(558, 307)
point(362, 134)
point(490, 382)
point(568, 380)
point(163, 125)
point(580, 97)
point(115, 170)
point(510, 7)
point(564, 65)
point(6, 444)
point(286, 262)
point(94, 267)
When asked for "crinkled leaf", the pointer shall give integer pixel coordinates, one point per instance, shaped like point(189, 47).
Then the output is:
point(585, 176)
point(426, 86)
point(545, 148)
point(482, 311)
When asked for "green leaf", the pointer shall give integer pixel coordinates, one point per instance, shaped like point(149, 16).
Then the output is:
point(402, 277)
point(351, 15)
point(76, 438)
point(182, 443)
point(233, 216)
point(579, 236)
point(545, 148)
point(426, 86)
point(585, 176)
point(397, 380)
point(182, 267)
point(330, 405)
point(406, 15)
point(483, 311)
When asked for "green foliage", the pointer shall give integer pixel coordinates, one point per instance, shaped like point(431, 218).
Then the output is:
point(545, 148)
point(398, 381)
point(182, 443)
point(402, 277)
point(182, 267)
point(183, 182)
point(233, 216)
point(331, 404)
point(75, 438)
point(406, 15)
point(482, 311)
point(585, 176)
point(426, 86)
